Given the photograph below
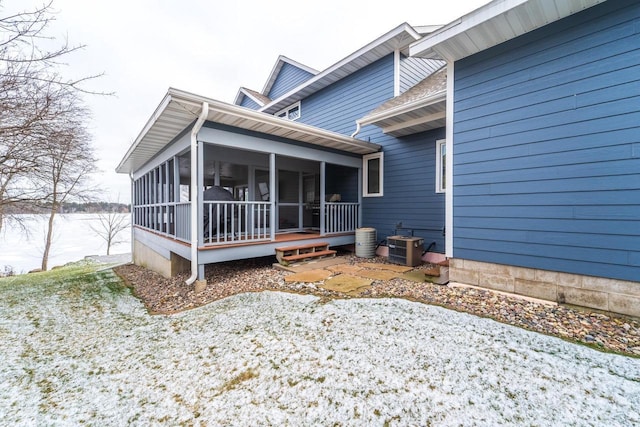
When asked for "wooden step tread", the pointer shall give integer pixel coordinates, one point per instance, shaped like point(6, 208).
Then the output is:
point(309, 255)
point(307, 246)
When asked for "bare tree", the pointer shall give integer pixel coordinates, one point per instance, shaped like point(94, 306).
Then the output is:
point(111, 224)
point(31, 90)
point(65, 165)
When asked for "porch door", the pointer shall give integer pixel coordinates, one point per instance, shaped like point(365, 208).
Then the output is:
point(311, 208)
point(289, 200)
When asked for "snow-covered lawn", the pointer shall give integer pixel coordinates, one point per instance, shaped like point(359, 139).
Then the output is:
point(84, 351)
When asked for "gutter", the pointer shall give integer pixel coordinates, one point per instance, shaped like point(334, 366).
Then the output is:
point(361, 146)
point(194, 192)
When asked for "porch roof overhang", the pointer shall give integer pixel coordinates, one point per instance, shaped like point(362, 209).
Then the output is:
point(421, 108)
point(492, 24)
point(179, 109)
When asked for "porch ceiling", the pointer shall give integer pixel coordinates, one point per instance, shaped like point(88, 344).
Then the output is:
point(179, 109)
point(492, 24)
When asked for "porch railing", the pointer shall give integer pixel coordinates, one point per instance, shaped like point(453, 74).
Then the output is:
point(183, 221)
point(341, 217)
point(170, 219)
point(235, 222)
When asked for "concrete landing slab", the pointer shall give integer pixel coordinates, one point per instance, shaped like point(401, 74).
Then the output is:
point(390, 267)
point(345, 268)
point(311, 265)
point(378, 274)
point(309, 276)
point(420, 276)
point(347, 283)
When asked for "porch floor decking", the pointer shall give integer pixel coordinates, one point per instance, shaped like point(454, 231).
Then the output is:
point(279, 238)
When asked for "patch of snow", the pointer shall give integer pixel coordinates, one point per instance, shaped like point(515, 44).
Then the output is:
point(273, 358)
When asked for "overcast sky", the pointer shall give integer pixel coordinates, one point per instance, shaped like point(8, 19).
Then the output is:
point(210, 48)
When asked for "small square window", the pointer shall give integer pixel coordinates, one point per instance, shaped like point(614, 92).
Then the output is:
point(441, 166)
point(373, 174)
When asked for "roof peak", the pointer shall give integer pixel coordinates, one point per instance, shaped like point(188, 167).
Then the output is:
point(282, 59)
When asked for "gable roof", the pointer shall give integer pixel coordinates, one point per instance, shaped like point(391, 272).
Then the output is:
point(278, 66)
point(492, 24)
point(421, 107)
point(256, 97)
point(179, 110)
point(398, 38)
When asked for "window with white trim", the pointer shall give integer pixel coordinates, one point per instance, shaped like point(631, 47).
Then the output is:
point(292, 112)
point(373, 171)
point(441, 165)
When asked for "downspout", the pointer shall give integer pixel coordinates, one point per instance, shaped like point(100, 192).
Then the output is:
point(353, 135)
point(132, 218)
point(194, 192)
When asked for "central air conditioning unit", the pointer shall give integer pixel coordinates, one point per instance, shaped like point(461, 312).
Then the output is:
point(405, 250)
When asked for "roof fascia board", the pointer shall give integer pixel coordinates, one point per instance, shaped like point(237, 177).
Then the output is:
point(427, 47)
point(402, 28)
point(154, 117)
point(276, 70)
point(299, 65)
point(215, 105)
point(245, 92)
point(406, 108)
point(193, 102)
point(427, 29)
point(424, 47)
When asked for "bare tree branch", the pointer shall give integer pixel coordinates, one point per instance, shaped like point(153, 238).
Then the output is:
point(41, 115)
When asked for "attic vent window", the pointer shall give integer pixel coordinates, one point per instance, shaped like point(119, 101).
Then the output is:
point(292, 112)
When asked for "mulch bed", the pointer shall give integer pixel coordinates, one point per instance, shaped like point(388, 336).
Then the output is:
point(602, 331)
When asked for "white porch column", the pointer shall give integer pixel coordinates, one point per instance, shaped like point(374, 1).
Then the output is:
point(176, 179)
point(360, 191)
point(272, 195)
point(200, 222)
point(323, 197)
point(449, 163)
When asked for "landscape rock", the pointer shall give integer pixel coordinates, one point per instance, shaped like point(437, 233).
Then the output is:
point(601, 331)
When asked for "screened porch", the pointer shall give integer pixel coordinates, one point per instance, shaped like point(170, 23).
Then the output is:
point(247, 197)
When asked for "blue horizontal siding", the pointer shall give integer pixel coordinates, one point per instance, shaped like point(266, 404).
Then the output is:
point(409, 189)
point(547, 147)
point(338, 106)
point(249, 103)
point(288, 78)
point(414, 70)
point(409, 162)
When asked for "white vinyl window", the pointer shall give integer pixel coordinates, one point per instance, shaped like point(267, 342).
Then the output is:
point(292, 112)
point(373, 171)
point(441, 166)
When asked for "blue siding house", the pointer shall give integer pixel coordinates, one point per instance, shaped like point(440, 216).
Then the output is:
point(509, 140)
point(213, 181)
point(543, 131)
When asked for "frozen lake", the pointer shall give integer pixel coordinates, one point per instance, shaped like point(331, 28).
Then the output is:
point(73, 239)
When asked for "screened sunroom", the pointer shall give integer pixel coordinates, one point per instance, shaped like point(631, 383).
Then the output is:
point(217, 182)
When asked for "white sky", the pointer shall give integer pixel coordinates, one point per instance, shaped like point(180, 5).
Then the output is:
point(209, 48)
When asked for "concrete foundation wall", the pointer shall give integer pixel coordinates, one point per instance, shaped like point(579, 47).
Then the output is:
point(146, 257)
point(616, 296)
